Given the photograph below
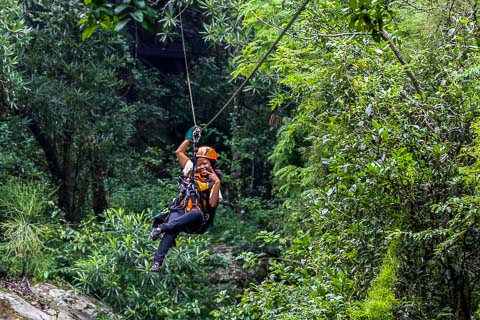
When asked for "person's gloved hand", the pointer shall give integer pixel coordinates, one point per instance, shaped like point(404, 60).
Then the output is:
point(189, 135)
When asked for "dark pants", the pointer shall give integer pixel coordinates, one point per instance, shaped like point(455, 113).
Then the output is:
point(177, 222)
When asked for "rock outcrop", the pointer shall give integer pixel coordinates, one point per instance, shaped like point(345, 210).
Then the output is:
point(51, 303)
point(14, 307)
point(232, 270)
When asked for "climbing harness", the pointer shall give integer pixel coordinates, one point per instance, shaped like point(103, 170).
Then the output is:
point(188, 192)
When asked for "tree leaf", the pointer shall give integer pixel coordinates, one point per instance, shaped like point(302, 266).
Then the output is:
point(87, 33)
point(120, 8)
point(148, 25)
point(151, 12)
point(140, 4)
point(137, 16)
point(121, 24)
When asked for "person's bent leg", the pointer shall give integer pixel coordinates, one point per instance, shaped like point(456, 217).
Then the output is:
point(178, 221)
point(158, 230)
point(193, 219)
point(166, 243)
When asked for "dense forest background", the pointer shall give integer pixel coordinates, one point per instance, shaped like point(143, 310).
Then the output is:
point(351, 176)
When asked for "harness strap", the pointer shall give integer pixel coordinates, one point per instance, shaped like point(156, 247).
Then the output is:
point(188, 193)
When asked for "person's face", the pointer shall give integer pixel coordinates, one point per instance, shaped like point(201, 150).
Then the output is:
point(203, 166)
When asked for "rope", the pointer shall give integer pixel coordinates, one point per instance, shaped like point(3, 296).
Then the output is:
point(197, 132)
point(302, 7)
point(186, 69)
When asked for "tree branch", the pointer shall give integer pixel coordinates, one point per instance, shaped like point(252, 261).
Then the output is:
point(313, 36)
point(400, 58)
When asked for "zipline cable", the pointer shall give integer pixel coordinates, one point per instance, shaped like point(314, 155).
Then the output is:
point(186, 69)
point(302, 7)
point(197, 132)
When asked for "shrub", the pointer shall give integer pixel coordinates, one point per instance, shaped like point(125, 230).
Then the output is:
point(113, 259)
point(242, 228)
point(25, 224)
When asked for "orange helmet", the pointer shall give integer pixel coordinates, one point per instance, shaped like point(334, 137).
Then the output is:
point(207, 152)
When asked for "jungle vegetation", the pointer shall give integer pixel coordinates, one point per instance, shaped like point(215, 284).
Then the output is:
point(351, 157)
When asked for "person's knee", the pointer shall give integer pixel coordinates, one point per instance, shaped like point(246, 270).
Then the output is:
point(198, 214)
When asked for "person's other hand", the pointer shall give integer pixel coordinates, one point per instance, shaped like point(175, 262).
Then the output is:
point(189, 135)
point(213, 176)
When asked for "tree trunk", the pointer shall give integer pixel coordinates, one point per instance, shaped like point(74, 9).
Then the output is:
point(66, 195)
point(460, 301)
point(463, 301)
point(99, 195)
point(70, 195)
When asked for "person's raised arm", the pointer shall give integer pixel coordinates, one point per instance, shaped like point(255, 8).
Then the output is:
point(181, 153)
point(182, 148)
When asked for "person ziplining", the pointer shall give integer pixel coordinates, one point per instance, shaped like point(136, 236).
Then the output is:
point(193, 210)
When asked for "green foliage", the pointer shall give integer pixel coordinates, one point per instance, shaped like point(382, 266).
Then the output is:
point(152, 17)
point(381, 295)
point(14, 33)
point(63, 88)
point(240, 229)
point(19, 155)
point(73, 104)
point(369, 15)
point(294, 289)
point(114, 17)
point(224, 29)
point(112, 259)
point(24, 226)
point(145, 197)
point(366, 152)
